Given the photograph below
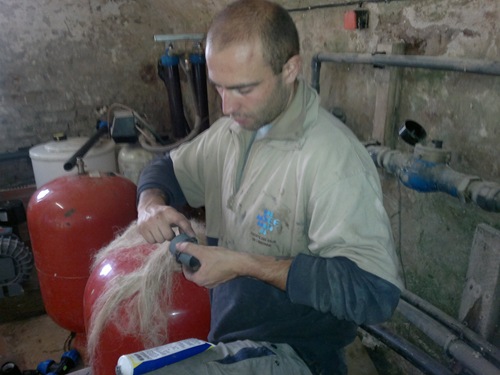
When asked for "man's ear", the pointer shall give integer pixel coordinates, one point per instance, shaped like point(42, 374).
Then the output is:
point(292, 68)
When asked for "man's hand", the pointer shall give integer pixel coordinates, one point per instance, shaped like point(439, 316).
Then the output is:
point(156, 220)
point(219, 265)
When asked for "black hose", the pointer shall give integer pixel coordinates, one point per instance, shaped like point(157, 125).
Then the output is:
point(418, 358)
point(171, 78)
point(70, 164)
point(315, 71)
point(199, 76)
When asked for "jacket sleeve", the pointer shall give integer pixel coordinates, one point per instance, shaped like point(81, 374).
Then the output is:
point(338, 286)
point(159, 174)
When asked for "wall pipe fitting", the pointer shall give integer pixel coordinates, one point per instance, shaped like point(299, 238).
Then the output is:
point(450, 343)
point(421, 173)
point(475, 340)
point(425, 62)
point(417, 357)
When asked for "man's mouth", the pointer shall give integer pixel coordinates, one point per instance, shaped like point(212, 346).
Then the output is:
point(240, 119)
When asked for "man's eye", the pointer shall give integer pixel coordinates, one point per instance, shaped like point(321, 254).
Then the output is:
point(245, 90)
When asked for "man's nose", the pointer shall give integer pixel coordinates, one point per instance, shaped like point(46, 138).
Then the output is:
point(229, 102)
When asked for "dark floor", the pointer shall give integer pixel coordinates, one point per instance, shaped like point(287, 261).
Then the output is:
point(30, 341)
point(27, 335)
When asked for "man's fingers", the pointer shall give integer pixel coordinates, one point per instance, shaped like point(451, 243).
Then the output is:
point(156, 223)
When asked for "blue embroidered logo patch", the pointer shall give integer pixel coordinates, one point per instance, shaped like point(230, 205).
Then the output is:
point(267, 222)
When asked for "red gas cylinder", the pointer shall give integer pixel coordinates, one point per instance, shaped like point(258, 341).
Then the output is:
point(188, 309)
point(69, 219)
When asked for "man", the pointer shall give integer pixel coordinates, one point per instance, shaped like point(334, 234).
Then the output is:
point(302, 249)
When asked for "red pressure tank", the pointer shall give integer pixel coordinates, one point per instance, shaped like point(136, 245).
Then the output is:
point(69, 219)
point(188, 309)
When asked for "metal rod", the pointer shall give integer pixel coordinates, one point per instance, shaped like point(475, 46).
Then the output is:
point(176, 37)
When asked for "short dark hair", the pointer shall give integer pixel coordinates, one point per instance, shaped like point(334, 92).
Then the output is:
point(247, 20)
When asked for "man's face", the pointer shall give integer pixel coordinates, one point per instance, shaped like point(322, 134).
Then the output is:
point(251, 93)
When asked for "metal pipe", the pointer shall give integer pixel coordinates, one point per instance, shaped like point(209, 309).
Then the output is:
point(425, 62)
point(337, 5)
point(428, 176)
point(417, 357)
point(480, 344)
point(451, 344)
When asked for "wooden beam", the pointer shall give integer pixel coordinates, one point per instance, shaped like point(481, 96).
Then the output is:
point(480, 305)
point(388, 81)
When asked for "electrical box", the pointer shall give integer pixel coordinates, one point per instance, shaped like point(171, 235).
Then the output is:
point(123, 129)
point(356, 19)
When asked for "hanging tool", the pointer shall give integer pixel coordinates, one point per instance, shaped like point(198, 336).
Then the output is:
point(189, 261)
